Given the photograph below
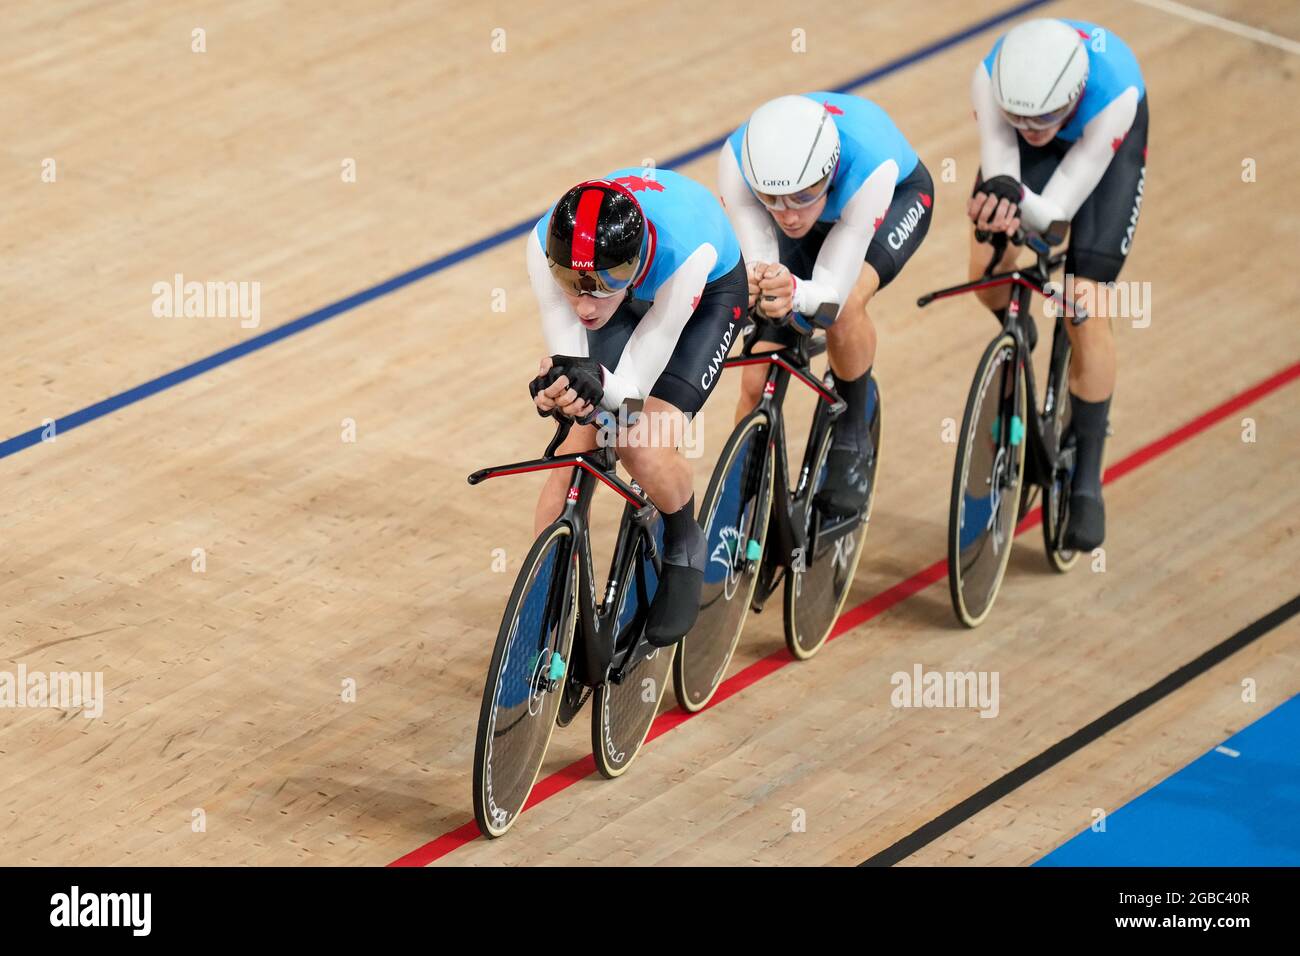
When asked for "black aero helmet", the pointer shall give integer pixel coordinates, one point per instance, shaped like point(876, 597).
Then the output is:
point(595, 239)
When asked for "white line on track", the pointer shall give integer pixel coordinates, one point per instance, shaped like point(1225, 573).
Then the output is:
point(1227, 750)
point(1222, 23)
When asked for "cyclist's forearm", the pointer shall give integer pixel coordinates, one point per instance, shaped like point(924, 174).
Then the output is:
point(754, 227)
point(1085, 164)
point(999, 150)
point(564, 336)
point(839, 262)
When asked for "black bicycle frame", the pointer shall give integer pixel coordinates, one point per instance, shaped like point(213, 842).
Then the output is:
point(1024, 283)
point(789, 519)
point(600, 653)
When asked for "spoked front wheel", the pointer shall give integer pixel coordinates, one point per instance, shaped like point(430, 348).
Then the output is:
point(525, 681)
point(815, 593)
point(734, 516)
point(986, 483)
point(623, 713)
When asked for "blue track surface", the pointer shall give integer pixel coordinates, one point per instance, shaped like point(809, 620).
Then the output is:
point(1222, 810)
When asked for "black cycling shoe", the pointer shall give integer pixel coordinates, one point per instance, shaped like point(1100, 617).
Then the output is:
point(1087, 525)
point(848, 482)
point(676, 605)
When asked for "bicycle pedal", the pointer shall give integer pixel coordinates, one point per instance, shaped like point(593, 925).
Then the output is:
point(631, 658)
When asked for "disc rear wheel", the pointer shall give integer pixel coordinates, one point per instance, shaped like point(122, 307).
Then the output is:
point(815, 595)
point(734, 516)
point(623, 713)
point(1056, 498)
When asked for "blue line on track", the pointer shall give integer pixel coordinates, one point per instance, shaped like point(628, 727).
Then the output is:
point(107, 406)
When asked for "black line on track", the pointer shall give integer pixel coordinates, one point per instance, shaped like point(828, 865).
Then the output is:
point(929, 832)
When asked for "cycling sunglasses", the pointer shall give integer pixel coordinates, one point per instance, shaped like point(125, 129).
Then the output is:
point(1045, 121)
point(797, 200)
point(597, 283)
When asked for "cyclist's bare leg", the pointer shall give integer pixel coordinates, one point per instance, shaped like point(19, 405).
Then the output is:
point(551, 501)
point(1092, 361)
point(851, 340)
point(1092, 380)
point(648, 447)
point(851, 347)
point(980, 254)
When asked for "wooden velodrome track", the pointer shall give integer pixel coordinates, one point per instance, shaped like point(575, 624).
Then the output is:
point(329, 561)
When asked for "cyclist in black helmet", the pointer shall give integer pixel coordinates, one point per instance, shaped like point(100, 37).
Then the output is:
point(642, 290)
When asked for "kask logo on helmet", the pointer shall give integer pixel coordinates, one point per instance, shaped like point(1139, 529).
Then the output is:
point(832, 162)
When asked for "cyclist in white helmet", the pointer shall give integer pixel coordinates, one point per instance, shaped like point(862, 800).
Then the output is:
point(829, 200)
point(1062, 114)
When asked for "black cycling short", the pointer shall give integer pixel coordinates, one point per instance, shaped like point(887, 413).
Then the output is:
point(1101, 232)
point(899, 234)
point(696, 362)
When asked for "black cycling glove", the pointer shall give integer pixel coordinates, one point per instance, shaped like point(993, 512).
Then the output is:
point(585, 375)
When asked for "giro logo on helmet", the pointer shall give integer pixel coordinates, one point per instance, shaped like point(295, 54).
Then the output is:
point(790, 147)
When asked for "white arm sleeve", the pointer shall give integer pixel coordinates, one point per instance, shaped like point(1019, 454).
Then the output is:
point(840, 260)
point(1083, 166)
point(564, 333)
point(999, 151)
point(754, 225)
point(651, 345)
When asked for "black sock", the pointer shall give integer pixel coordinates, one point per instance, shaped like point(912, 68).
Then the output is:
point(1088, 422)
point(683, 538)
point(851, 430)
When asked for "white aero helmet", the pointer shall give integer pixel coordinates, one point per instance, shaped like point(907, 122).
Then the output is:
point(1039, 72)
point(790, 150)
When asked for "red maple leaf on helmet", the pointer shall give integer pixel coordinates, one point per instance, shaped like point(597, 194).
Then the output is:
point(833, 110)
point(638, 184)
point(876, 224)
point(1116, 143)
point(695, 303)
point(735, 313)
point(926, 200)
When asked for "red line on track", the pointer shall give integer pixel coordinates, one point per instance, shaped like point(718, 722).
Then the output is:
point(562, 779)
